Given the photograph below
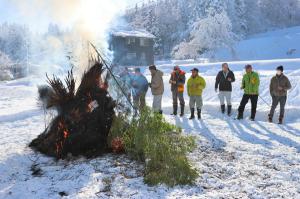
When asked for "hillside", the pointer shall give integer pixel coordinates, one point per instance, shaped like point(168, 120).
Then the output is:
point(189, 29)
point(280, 44)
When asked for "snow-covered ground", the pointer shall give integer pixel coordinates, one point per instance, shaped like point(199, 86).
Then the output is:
point(281, 44)
point(236, 159)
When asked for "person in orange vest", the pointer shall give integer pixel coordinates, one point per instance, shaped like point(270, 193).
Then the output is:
point(177, 82)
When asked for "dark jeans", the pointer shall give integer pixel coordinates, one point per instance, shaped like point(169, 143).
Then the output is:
point(176, 95)
point(275, 100)
point(139, 101)
point(245, 99)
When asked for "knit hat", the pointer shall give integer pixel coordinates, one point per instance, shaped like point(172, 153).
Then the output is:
point(280, 68)
point(152, 67)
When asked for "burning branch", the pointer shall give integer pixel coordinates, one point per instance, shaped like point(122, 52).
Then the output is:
point(84, 116)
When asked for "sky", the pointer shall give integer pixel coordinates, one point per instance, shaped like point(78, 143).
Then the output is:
point(37, 19)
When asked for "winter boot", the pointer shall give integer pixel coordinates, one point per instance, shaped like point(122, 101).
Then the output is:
point(280, 121)
point(199, 113)
point(229, 109)
point(223, 108)
point(270, 119)
point(253, 113)
point(240, 116)
point(174, 110)
point(181, 111)
point(192, 114)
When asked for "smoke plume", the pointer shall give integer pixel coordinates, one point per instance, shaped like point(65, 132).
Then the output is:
point(84, 20)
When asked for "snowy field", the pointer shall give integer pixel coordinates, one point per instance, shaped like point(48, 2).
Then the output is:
point(283, 43)
point(235, 159)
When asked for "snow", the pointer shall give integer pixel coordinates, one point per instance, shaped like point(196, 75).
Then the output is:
point(235, 158)
point(133, 33)
point(281, 44)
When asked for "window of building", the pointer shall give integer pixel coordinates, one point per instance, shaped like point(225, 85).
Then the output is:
point(130, 40)
point(131, 56)
point(144, 42)
point(143, 56)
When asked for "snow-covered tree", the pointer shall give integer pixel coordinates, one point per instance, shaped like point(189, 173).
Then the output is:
point(5, 65)
point(281, 13)
point(14, 41)
point(173, 21)
point(5, 61)
point(237, 12)
point(208, 35)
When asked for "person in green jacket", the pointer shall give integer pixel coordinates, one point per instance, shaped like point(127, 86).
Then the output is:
point(195, 86)
point(250, 84)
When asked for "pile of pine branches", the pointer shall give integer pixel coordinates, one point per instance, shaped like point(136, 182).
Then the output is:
point(84, 115)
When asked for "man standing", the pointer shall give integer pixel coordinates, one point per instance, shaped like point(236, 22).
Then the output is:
point(195, 86)
point(224, 80)
point(157, 88)
point(279, 86)
point(177, 82)
point(250, 84)
point(140, 88)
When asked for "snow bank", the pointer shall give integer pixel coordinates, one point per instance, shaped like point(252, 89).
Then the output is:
point(280, 44)
point(133, 33)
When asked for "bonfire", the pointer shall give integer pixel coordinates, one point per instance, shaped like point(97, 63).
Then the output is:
point(84, 115)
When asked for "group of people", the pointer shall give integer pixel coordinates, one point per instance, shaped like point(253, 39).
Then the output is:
point(195, 86)
point(279, 85)
point(135, 85)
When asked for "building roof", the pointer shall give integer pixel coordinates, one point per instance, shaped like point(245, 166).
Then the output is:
point(133, 33)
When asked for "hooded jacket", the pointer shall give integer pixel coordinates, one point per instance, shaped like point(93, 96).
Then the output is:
point(157, 83)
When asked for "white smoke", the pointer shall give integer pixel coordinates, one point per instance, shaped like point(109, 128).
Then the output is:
point(85, 20)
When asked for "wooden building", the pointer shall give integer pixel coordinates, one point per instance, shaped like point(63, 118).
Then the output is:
point(132, 48)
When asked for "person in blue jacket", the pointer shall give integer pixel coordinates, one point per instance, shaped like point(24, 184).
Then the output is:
point(126, 81)
point(140, 87)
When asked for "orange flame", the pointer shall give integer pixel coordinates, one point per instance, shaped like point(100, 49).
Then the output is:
point(66, 133)
point(60, 144)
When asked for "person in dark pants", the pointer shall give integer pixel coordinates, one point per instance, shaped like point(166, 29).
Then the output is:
point(250, 84)
point(224, 81)
point(279, 86)
point(177, 82)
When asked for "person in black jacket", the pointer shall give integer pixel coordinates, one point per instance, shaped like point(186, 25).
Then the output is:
point(224, 81)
